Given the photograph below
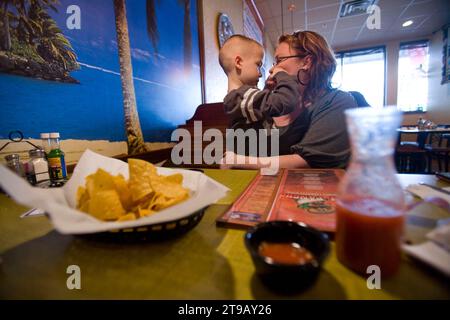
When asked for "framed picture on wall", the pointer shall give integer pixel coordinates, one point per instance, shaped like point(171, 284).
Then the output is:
point(225, 28)
point(253, 24)
point(254, 28)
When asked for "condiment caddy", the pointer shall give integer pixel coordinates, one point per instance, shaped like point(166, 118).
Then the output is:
point(46, 166)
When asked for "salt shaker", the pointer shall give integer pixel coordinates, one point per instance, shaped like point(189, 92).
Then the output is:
point(39, 164)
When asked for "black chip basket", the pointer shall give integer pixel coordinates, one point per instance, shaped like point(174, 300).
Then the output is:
point(152, 232)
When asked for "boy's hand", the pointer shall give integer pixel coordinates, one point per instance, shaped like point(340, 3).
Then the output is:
point(271, 82)
point(275, 70)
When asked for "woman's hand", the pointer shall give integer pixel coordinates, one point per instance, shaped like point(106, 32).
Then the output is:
point(232, 160)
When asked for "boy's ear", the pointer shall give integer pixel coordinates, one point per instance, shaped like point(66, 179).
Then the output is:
point(238, 62)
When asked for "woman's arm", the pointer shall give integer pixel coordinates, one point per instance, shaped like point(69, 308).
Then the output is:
point(236, 161)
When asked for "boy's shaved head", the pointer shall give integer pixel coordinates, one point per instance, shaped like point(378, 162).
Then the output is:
point(234, 46)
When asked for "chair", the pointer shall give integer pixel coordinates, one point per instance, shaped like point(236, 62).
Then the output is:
point(410, 159)
point(210, 116)
point(359, 98)
point(409, 143)
point(439, 151)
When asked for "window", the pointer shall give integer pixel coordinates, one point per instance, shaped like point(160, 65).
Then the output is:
point(363, 71)
point(412, 94)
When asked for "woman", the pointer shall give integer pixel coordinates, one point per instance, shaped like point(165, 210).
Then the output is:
point(315, 134)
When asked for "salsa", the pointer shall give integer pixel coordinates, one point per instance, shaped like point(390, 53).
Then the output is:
point(369, 233)
point(285, 253)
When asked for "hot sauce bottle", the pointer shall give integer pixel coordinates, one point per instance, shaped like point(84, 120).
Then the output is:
point(370, 204)
point(56, 161)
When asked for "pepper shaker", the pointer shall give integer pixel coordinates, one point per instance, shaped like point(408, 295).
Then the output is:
point(13, 163)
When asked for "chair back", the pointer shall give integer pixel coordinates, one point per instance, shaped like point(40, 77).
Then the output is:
point(359, 98)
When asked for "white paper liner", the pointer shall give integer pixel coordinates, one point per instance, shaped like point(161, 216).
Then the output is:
point(60, 204)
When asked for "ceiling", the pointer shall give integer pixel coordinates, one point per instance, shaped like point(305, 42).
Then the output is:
point(322, 16)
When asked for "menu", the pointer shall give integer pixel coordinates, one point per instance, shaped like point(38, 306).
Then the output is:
point(302, 195)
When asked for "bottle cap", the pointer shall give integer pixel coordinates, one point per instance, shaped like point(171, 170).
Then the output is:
point(54, 135)
point(36, 153)
point(45, 135)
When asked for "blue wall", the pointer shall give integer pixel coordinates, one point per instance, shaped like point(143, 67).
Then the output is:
point(93, 109)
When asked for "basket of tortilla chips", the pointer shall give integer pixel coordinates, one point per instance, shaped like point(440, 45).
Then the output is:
point(109, 197)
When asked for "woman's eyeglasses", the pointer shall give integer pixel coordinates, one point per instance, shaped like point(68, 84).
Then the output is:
point(279, 60)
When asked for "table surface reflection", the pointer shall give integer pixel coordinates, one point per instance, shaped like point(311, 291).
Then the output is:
point(206, 263)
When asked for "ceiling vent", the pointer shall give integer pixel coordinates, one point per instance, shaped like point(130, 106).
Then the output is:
point(352, 8)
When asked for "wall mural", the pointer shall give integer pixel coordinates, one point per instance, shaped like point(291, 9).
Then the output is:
point(96, 70)
point(446, 55)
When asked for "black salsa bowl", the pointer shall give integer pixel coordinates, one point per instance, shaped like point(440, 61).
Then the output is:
point(283, 276)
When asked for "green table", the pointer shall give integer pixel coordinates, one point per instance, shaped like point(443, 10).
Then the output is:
point(206, 263)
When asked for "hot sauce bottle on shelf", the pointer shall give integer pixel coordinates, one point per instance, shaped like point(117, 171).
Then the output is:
point(56, 161)
point(370, 204)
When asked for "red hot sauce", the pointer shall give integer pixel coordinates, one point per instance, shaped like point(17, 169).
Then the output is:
point(290, 253)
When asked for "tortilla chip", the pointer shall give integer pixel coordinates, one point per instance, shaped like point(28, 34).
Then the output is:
point(174, 178)
point(145, 212)
point(99, 181)
point(128, 217)
point(169, 189)
point(82, 197)
point(112, 198)
point(106, 205)
point(141, 174)
point(122, 188)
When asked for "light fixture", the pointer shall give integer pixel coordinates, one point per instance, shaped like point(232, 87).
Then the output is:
point(407, 23)
point(355, 7)
point(291, 9)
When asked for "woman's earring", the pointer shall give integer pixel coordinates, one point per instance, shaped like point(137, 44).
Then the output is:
point(300, 77)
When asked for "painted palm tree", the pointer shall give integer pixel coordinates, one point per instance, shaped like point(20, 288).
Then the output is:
point(5, 15)
point(50, 42)
point(132, 125)
point(153, 34)
point(187, 35)
point(5, 37)
point(152, 27)
point(25, 27)
point(31, 32)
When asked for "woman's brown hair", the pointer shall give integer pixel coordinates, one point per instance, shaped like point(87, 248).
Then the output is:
point(323, 64)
